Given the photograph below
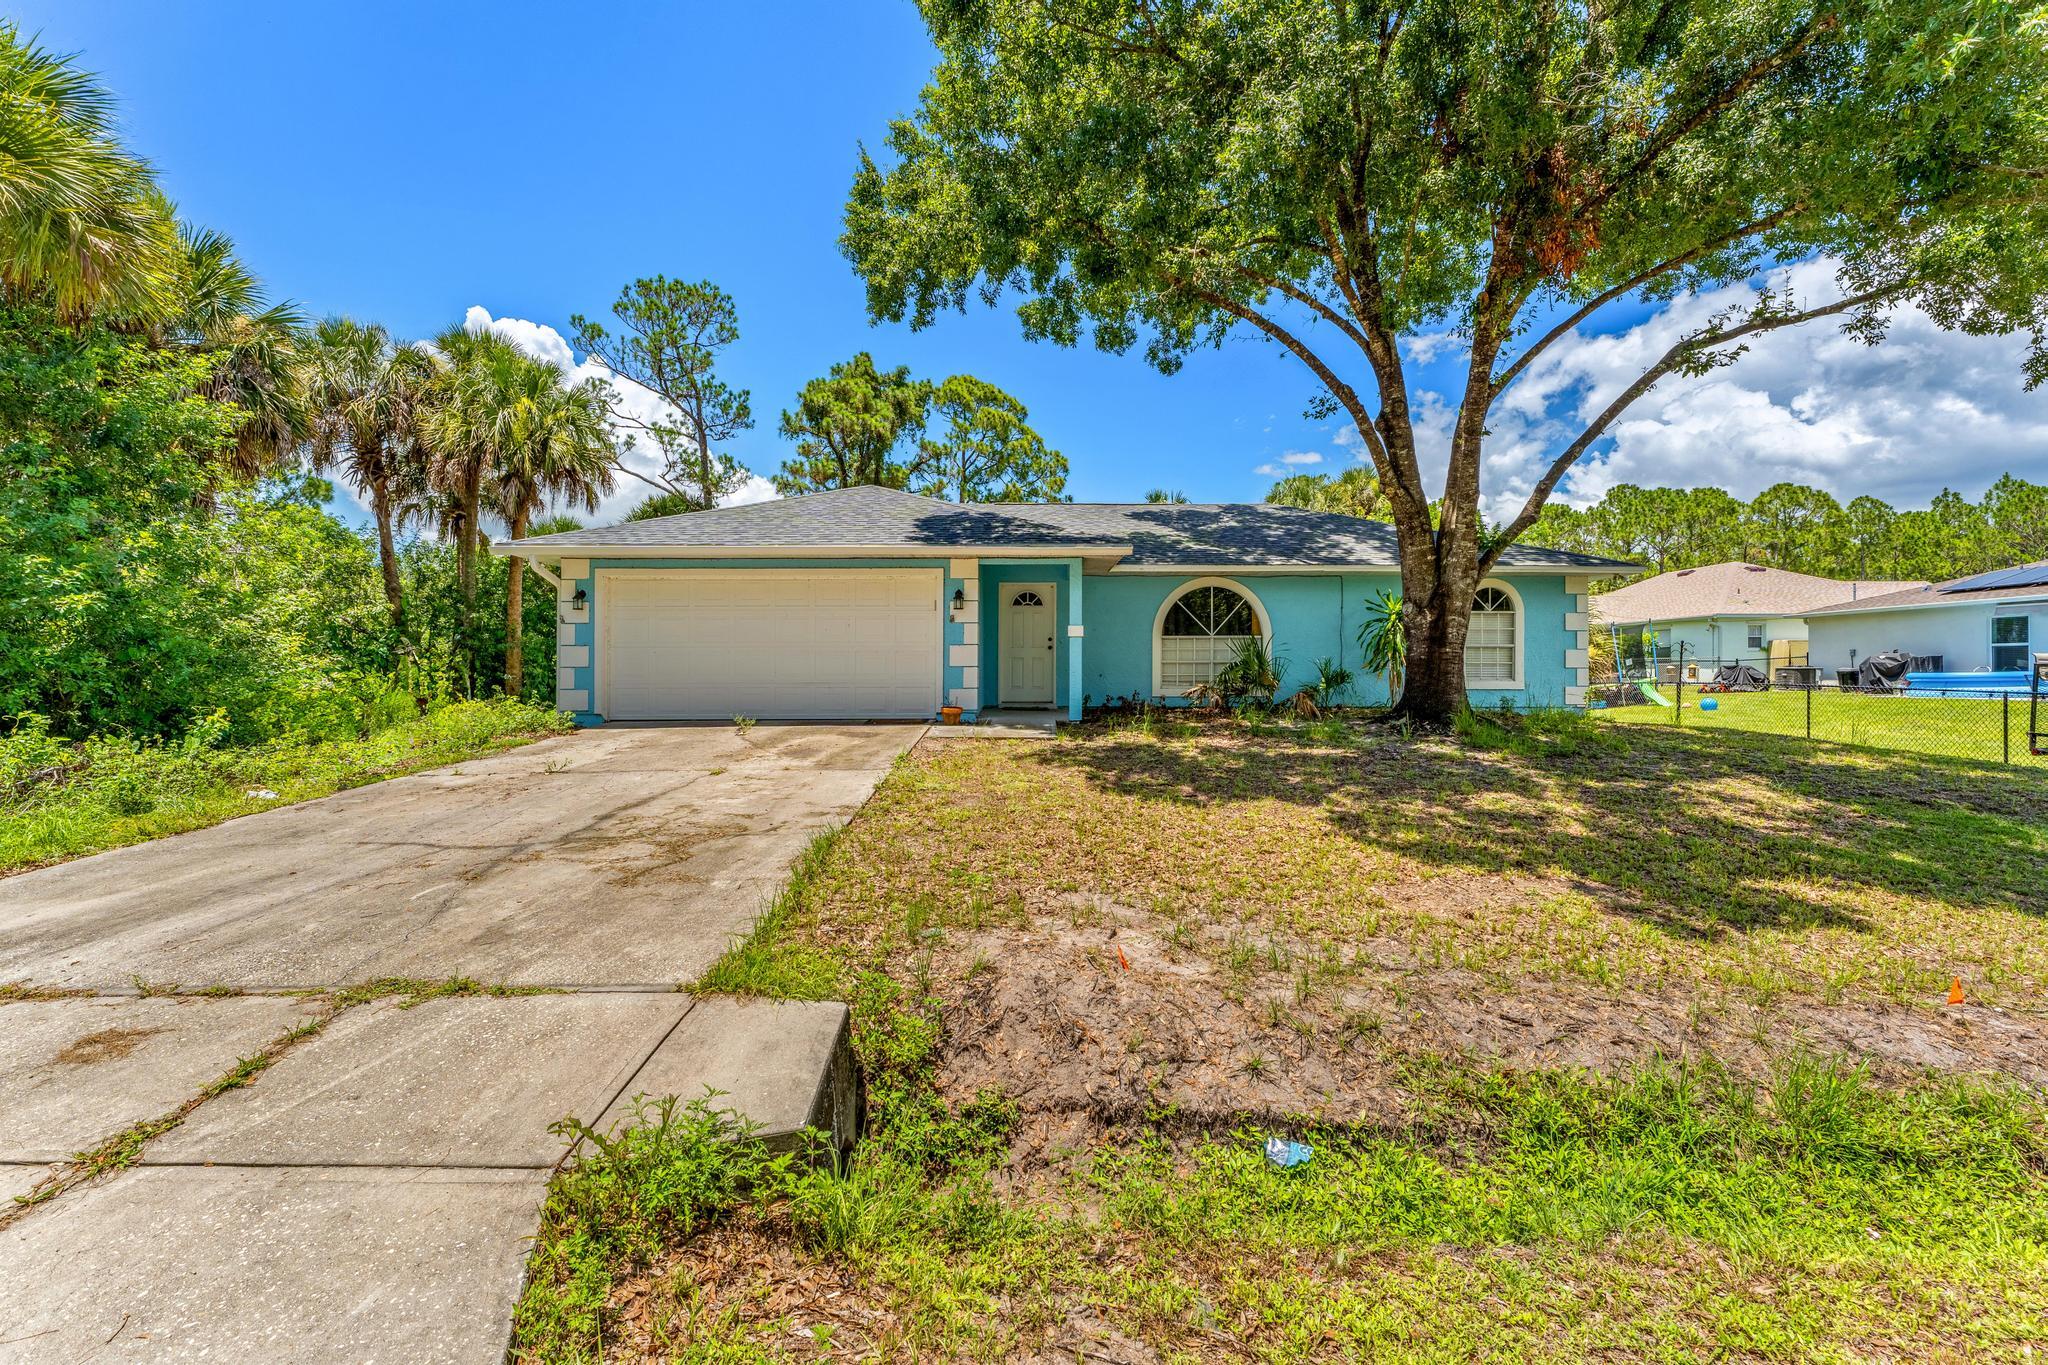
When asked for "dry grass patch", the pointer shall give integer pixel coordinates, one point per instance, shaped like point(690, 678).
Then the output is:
point(1645, 861)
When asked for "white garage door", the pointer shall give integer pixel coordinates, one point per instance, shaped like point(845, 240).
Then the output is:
point(777, 644)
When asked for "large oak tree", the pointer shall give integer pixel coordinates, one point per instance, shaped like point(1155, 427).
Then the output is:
point(1337, 176)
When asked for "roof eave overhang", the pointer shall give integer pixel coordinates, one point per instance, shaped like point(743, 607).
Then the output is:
point(1857, 609)
point(1709, 617)
point(1570, 570)
point(1107, 554)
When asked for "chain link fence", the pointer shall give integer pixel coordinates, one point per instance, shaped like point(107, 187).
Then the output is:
point(1993, 723)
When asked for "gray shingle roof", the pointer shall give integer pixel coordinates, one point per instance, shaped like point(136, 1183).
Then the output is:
point(1932, 595)
point(1234, 533)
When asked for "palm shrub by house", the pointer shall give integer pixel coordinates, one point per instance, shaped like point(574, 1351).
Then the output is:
point(1383, 640)
point(1251, 678)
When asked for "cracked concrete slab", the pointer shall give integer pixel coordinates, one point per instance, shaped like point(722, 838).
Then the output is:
point(191, 1263)
point(784, 1065)
point(460, 1081)
point(617, 856)
point(356, 1209)
point(17, 1179)
point(76, 1071)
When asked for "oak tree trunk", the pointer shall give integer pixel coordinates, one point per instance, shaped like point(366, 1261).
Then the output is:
point(1437, 619)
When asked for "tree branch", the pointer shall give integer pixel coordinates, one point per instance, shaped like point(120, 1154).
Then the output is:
point(1401, 474)
point(660, 484)
point(1342, 391)
point(1673, 132)
point(1599, 301)
point(1123, 47)
point(1698, 343)
point(1308, 301)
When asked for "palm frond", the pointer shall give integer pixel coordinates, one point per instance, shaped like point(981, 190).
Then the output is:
point(82, 222)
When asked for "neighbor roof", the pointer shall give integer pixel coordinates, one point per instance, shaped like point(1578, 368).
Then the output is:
point(1136, 534)
point(1944, 595)
point(1732, 589)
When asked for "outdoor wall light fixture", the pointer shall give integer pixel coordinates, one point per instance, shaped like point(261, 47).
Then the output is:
point(580, 600)
point(959, 602)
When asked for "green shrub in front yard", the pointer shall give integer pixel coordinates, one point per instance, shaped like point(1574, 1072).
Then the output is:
point(1552, 1214)
point(59, 799)
point(668, 1172)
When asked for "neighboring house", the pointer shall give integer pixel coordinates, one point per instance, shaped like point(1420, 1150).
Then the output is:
point(1722, 613)
point(1991, 622)
point(866, 602)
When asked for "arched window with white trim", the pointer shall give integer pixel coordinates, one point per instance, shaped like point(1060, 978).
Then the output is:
point(1199, 630)
point(1493, 643)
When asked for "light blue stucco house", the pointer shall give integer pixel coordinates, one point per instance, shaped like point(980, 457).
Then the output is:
point(872, 603)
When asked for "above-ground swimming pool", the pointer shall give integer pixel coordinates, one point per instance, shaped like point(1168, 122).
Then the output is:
point(1965, 684)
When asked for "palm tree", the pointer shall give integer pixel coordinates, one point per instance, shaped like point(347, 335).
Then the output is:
point(258, 349)
point(82, 223)
point(468, 428)
point(366, 394)
point(560, 449)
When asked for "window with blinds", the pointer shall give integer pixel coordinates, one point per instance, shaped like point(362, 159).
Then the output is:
point(1490, 643)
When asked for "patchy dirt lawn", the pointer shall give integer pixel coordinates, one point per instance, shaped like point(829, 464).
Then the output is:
point(1152, 943)
point(1222, 923)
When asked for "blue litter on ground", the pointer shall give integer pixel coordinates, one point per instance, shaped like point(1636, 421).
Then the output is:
point(1287, 1154)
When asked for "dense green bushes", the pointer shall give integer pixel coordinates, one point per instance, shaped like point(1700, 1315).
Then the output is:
point(146, 589)
point(141, 587)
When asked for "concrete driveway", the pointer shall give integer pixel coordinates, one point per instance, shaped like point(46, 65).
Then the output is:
point(370, 1194)
point(616, 857)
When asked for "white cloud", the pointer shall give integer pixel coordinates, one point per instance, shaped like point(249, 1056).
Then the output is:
point(1427, 347)
point(537, 339)
point(1290, 462)
point(752, 489)
point(1923, 410)
point(543, 342)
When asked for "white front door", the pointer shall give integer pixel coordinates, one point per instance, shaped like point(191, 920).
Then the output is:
point(1030, 646)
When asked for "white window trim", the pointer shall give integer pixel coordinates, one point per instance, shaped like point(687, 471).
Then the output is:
point(1992, 645)
point(1265, 622)
point(1516, 683)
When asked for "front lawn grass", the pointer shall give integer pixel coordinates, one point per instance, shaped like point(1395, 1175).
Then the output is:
point(59, 802)
point(1064, 960)
point(1642, 858)
point(1982, 728)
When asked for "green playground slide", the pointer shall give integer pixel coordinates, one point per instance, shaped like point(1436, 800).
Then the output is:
point(1652, 694)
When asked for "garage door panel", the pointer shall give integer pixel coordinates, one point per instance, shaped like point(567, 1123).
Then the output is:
point(707, 645)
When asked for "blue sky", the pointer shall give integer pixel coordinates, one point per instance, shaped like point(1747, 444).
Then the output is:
point(407, 162)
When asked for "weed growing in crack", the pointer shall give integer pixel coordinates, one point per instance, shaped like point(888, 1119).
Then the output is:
point(412, 991)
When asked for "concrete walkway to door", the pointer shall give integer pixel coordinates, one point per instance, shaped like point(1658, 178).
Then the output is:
point(370, 1192)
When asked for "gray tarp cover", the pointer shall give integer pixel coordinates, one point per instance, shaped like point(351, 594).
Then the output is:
point(1739, 678)
point(1884, 672)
